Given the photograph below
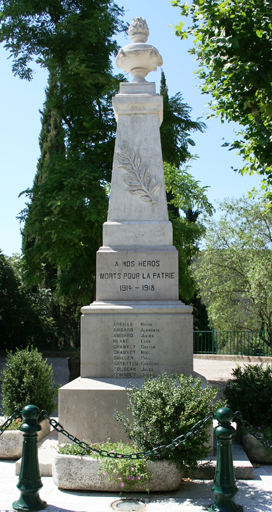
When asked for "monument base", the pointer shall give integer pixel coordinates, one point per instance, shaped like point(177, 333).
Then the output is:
point(86, 408)
point(121, 343)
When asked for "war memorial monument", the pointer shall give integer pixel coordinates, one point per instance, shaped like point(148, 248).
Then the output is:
point(137, 326)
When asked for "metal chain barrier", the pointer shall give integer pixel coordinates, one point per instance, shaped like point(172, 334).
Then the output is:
point(249, 428)
point(8, 422)
point(155, 452)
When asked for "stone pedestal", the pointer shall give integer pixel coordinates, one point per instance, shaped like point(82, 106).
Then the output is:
point(137, 327)
point(87, 406)
point(136, 339)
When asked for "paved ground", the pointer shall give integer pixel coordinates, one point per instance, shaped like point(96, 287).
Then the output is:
point(192, 496)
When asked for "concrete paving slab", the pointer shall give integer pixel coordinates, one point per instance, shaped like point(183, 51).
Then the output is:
point(192, 496)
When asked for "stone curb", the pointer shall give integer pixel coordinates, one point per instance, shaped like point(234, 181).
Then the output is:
point(235, 358)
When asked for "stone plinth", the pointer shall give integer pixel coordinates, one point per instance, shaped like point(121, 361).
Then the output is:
point(137, 188)
point(137, 274)
point(137, 234)
point(136, 339)
point(86, 408)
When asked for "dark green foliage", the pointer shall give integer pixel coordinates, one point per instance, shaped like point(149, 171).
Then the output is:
point(250, 391)
point(20, 324)
point(186, 198)
point(31, 315)
point(68, 201)
point(163, 409)
point(177, 127)
point(200, 314)
point(27, 379)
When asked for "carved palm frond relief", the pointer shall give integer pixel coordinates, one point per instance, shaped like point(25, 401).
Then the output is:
point(138, 178)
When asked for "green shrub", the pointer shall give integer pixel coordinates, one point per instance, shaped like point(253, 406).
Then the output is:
point(27, 379)
point(251, 393)
point(166, 407)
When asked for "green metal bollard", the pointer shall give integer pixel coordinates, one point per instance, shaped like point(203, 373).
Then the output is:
point(224, 486)
point(29, 480)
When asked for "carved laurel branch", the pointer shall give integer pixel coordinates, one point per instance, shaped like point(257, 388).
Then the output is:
point(139, 180)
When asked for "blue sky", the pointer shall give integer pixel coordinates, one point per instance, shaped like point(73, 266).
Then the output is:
point(20, 121)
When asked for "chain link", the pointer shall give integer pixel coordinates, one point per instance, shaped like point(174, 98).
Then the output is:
point(155, 452)
point(249, 428)
point(8, 422)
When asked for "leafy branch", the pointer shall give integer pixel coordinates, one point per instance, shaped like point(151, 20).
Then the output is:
point(139, 180)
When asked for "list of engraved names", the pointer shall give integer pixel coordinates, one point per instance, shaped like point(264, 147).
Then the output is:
point(134, 349)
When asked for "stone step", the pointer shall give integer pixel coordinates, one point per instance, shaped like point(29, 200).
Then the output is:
point(242, 466)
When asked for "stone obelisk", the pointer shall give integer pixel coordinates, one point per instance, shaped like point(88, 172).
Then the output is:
point(137, 326)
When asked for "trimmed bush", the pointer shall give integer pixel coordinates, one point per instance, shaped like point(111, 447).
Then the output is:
point(250, 392)
point(27, 379)
point(166, 407)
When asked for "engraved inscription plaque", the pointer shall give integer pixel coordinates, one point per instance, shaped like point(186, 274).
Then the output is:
point(127, 275)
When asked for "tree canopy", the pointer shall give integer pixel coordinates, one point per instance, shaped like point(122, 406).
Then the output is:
point(234, 269)
point(233, 45)
point(20, 322)
point(186, 198)
point(74, 41)
point(177, 127)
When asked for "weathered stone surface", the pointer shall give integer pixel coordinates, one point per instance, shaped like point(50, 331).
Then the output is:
point(137, 161)
point(136, 339)
point(256, 451)
point(137, 275)
point(135, 233)
point(137, 327)
point(11, 441)
point(86, 408)
point(81, 473)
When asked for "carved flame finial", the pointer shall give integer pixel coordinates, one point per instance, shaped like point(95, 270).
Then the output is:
point(138, 30)
point(138, 58)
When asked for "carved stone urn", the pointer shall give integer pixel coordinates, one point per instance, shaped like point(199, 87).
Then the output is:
point(138, 58)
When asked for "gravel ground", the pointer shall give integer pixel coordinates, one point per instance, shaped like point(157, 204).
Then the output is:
point(218, 371)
